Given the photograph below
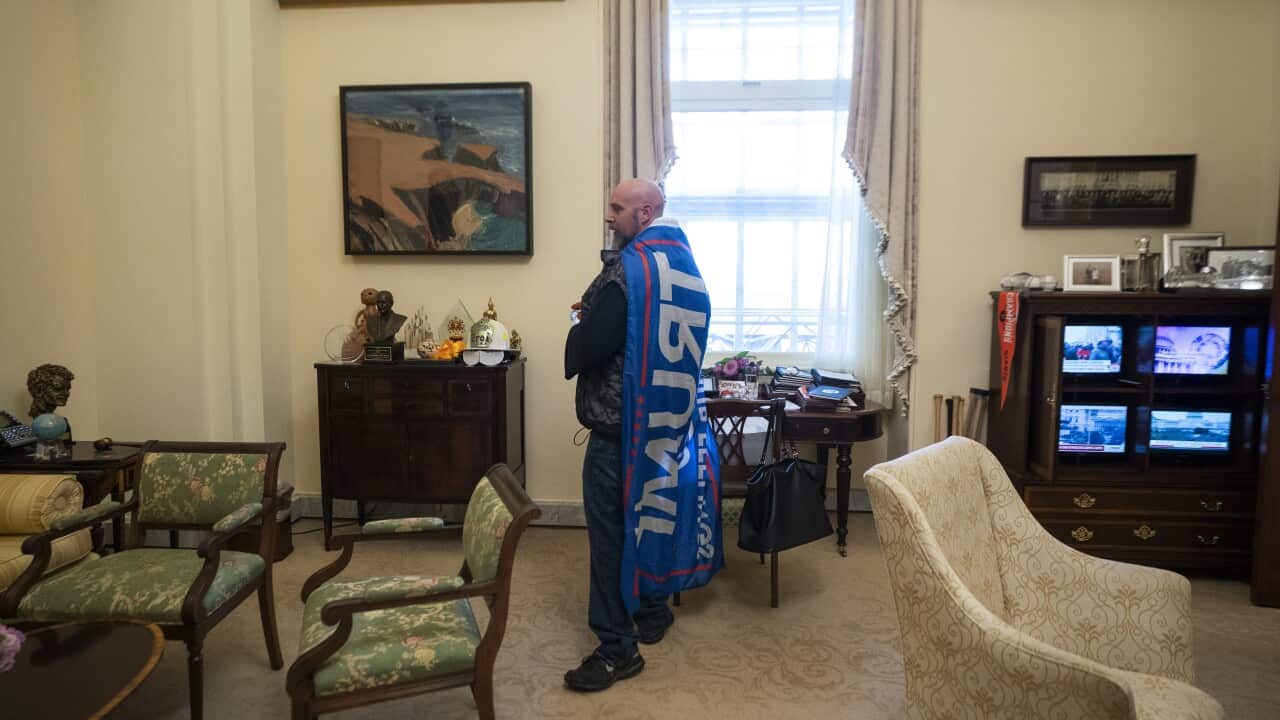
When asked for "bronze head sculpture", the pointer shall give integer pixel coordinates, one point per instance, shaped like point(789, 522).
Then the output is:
point(382, 328)
point(50, 387)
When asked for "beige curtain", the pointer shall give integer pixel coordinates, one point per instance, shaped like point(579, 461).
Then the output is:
point(882, 147)
point(637, 112)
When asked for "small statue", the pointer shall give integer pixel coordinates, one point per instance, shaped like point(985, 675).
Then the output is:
point(383, 326)
point(516, 342)
point(50, 387)
point(369, 299)
point(456, 342)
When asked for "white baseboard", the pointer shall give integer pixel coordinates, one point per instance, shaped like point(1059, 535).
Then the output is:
point(556, 513)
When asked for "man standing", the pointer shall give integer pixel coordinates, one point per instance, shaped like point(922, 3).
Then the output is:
point(594, 352)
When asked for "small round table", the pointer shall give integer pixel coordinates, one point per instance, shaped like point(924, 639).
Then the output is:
point(79, 670)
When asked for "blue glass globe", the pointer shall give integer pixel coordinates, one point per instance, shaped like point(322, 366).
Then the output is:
point(49, 426)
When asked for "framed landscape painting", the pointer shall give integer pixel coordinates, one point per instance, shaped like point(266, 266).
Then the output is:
point(437, 169)
point(1116, 191)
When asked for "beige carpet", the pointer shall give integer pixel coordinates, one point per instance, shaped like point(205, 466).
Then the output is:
point(830, 651)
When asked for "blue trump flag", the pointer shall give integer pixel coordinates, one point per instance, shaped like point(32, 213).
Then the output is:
point(670, 466)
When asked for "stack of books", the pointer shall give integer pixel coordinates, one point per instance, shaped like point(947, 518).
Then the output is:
point(787, 380)
point(841, 380)
point(826, 398)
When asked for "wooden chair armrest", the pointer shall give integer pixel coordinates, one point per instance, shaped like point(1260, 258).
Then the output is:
point(236, 522)
point(346, 542)
point(40, 548)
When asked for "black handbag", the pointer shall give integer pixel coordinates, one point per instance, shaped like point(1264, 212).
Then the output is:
point(785, 505)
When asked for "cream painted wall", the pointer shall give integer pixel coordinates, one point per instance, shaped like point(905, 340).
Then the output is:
point(46, 255)
point(554, 46)
point(1003, 80)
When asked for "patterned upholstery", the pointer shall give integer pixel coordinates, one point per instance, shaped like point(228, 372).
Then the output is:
point(483, 529)
point(1053, 635)
point(401, 525)
point(32, 504)
point(147, 584)
point(198, 488)
point(396, 645)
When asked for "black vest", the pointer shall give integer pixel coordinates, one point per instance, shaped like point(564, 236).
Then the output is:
point(599, 393)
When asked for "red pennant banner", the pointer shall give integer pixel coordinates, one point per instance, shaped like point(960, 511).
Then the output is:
point(1007, 326)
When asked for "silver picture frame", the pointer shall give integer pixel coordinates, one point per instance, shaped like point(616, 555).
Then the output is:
point(1091, 273)
point(1175, 245)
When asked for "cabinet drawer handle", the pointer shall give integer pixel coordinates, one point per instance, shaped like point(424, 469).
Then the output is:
point(1084, 500)
point(468, 387)
point(1207, 540)
point(346, 384)
point(826, 431)
point(1144, 532)
point(1082, 534)
point(1214, 506)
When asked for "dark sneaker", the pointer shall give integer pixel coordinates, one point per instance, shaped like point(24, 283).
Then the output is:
point(595, 673)
point(654, 635)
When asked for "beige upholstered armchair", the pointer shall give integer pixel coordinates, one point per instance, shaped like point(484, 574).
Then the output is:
point(1000, 620)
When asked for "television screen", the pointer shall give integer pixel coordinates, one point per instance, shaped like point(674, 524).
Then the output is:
point(1091, 348)
point(1092, 428)
point(1190, 430)
point(1192, 350)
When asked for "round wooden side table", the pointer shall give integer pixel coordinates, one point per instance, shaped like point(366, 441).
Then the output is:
point(79, 670)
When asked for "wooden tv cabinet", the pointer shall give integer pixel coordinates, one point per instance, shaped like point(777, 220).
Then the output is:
point(415, 431)
point(1168, 508)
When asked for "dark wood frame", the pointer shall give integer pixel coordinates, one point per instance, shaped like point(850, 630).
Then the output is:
point(196, 623)
point(496, 594)
point(527, 90)
point(1265, 583)
point(1180, 214)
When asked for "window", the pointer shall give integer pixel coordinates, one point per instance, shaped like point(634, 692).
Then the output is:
point(759, 103)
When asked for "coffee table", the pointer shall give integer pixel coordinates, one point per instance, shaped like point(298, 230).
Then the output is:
point(79, 670)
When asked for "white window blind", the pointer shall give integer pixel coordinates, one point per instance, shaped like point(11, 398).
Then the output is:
point(759, 103)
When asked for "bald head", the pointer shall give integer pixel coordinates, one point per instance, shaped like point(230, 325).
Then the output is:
point(633, 205)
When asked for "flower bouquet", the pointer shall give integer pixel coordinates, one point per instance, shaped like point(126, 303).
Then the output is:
point(10, 643)
point(735, 376)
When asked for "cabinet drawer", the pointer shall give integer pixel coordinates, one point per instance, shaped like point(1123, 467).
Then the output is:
point(1104, 501)
point(470, 397)
point(346, 393)
point(1146, 532)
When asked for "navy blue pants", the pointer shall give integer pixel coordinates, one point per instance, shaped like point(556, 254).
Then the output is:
point(602, 486)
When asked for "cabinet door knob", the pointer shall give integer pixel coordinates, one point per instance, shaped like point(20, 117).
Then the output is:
point(468, 387)
point(1214, 506)
point(1084, 500)
point(1082, 534)
point(1207, 540)
point(346, 384)
point(826, 431)
point(1144, 532)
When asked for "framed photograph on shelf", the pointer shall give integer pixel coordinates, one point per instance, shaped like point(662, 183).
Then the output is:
point(437, 169)
point(1242, 268)
point(1188, 251)
point(1091, 273)
point(1115, 191)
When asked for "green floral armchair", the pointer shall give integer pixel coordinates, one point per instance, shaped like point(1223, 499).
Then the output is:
point(220, 488)
point(381, 638)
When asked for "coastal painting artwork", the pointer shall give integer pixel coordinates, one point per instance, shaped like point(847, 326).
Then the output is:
point(437, 169)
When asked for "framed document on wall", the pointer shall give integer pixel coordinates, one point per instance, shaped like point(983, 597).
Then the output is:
point(1115, 191)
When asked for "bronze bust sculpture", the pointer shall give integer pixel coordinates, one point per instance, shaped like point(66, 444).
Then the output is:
point(50, 387)
point(382, 328)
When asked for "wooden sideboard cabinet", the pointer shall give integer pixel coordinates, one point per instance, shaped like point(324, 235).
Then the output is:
point(415, 431)
point(1132, 495)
